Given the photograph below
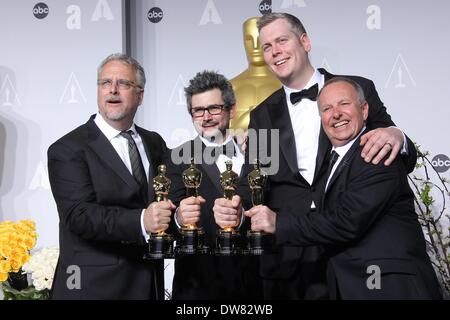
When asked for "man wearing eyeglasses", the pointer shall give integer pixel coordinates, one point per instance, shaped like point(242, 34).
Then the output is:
point(99, 175)
point(211, 104)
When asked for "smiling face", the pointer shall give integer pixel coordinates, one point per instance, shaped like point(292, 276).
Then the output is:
point(343, 114)
point(209, 125)
point(286, 53)
point(118, 106)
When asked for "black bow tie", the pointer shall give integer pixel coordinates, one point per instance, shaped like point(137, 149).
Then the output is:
point(227, 149)
point(310, 94)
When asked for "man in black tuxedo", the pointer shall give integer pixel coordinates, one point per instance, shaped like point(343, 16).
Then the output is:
point(211, 104)
point(99, 175)
point(296, 180)
point(367, 223)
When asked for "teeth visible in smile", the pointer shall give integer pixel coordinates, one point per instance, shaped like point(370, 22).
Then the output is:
point(340, 124)
point(280, 62)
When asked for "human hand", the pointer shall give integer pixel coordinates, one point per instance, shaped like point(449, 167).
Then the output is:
point(241, 139)
point(228, 213)
point(157, 216)
point(379, 142)
point(262, 219)
point(189, 210)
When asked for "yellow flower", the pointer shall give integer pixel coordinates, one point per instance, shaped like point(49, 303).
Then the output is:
point(15, 265)
point(16, 241)
point(5, 266)
point(29, 242)
point(5, 250)
point(3, 276)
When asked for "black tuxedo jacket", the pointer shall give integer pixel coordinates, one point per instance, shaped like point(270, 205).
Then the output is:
point(99, 206)
point(367, 221)
point(290, 192)
point(208, 277)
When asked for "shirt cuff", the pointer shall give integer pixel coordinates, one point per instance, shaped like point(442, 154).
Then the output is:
point(175, 218)
point(242, 219)
point(144, 232)
point(404, 150)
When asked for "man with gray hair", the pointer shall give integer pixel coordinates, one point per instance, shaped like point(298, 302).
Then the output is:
point(99, 174)
point(373, 241)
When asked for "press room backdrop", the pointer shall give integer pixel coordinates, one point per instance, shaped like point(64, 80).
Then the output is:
point(50, 51)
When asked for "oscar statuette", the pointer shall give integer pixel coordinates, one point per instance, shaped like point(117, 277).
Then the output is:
point(192, 237)
point(227, 241)
point(160, 244)
point(257, 241)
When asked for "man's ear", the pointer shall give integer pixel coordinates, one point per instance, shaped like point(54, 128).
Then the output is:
point(365, 110)
point(305, 42)
point(232, 111)
point(141, 96)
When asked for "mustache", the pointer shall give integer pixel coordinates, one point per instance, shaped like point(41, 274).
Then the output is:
point(112, 98)
point(209, 122)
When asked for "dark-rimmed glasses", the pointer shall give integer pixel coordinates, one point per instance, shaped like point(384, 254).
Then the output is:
point(213, 109)
point(122, 84)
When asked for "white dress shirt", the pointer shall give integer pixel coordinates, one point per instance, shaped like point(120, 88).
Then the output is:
point(120, 144)
point(305, 120)
point(238, 161)
point(341, 151)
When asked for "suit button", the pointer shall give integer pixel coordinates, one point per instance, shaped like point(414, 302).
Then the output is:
point(313, 189)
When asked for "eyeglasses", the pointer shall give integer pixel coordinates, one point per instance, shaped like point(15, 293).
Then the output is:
point(122, 84)
point(213, 109)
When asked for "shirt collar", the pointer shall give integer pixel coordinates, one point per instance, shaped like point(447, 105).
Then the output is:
point(317, 77)
point(107, 130)
point(213, 144)
point(342, 150)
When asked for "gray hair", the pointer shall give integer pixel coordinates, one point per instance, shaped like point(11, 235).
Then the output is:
point(208, 80)
point(354, 84)
point(296, 25)
point(140, 73)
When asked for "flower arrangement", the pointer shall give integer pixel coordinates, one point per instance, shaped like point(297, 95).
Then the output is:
point(17, 264)
point(16, 241)
point(42, 266)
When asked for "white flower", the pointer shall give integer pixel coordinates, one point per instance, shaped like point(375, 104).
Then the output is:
point(42, 266)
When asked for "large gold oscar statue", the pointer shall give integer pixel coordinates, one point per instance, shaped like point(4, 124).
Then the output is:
point(255, 83)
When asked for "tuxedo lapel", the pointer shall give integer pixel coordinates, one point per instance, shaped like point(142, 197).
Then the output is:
point(345, 161)
point(103, 148)
point(326, 74)
point(324, 143)
point(213, 174)
point(279, 113)
point(323, 149)
point(151, 159)
point(211, 170)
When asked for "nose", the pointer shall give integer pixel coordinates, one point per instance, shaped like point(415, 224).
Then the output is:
point(337, 113)
point(113, 89)
point(275, 50)
point(206, 115)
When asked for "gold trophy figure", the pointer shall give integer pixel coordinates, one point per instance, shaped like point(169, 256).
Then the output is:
point(256, 240)
point(192, 237)
point(256, 83)
point(160, 244)
point(227, 237)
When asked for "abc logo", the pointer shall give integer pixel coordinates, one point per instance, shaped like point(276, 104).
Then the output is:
point(441, 162)
point(155, 14)
point(40, 10)
point(265, 6)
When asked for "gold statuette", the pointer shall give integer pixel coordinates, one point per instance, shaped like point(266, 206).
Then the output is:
point(160, 244)
point(227, 238)
point(257, 241)
point(192, 237)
